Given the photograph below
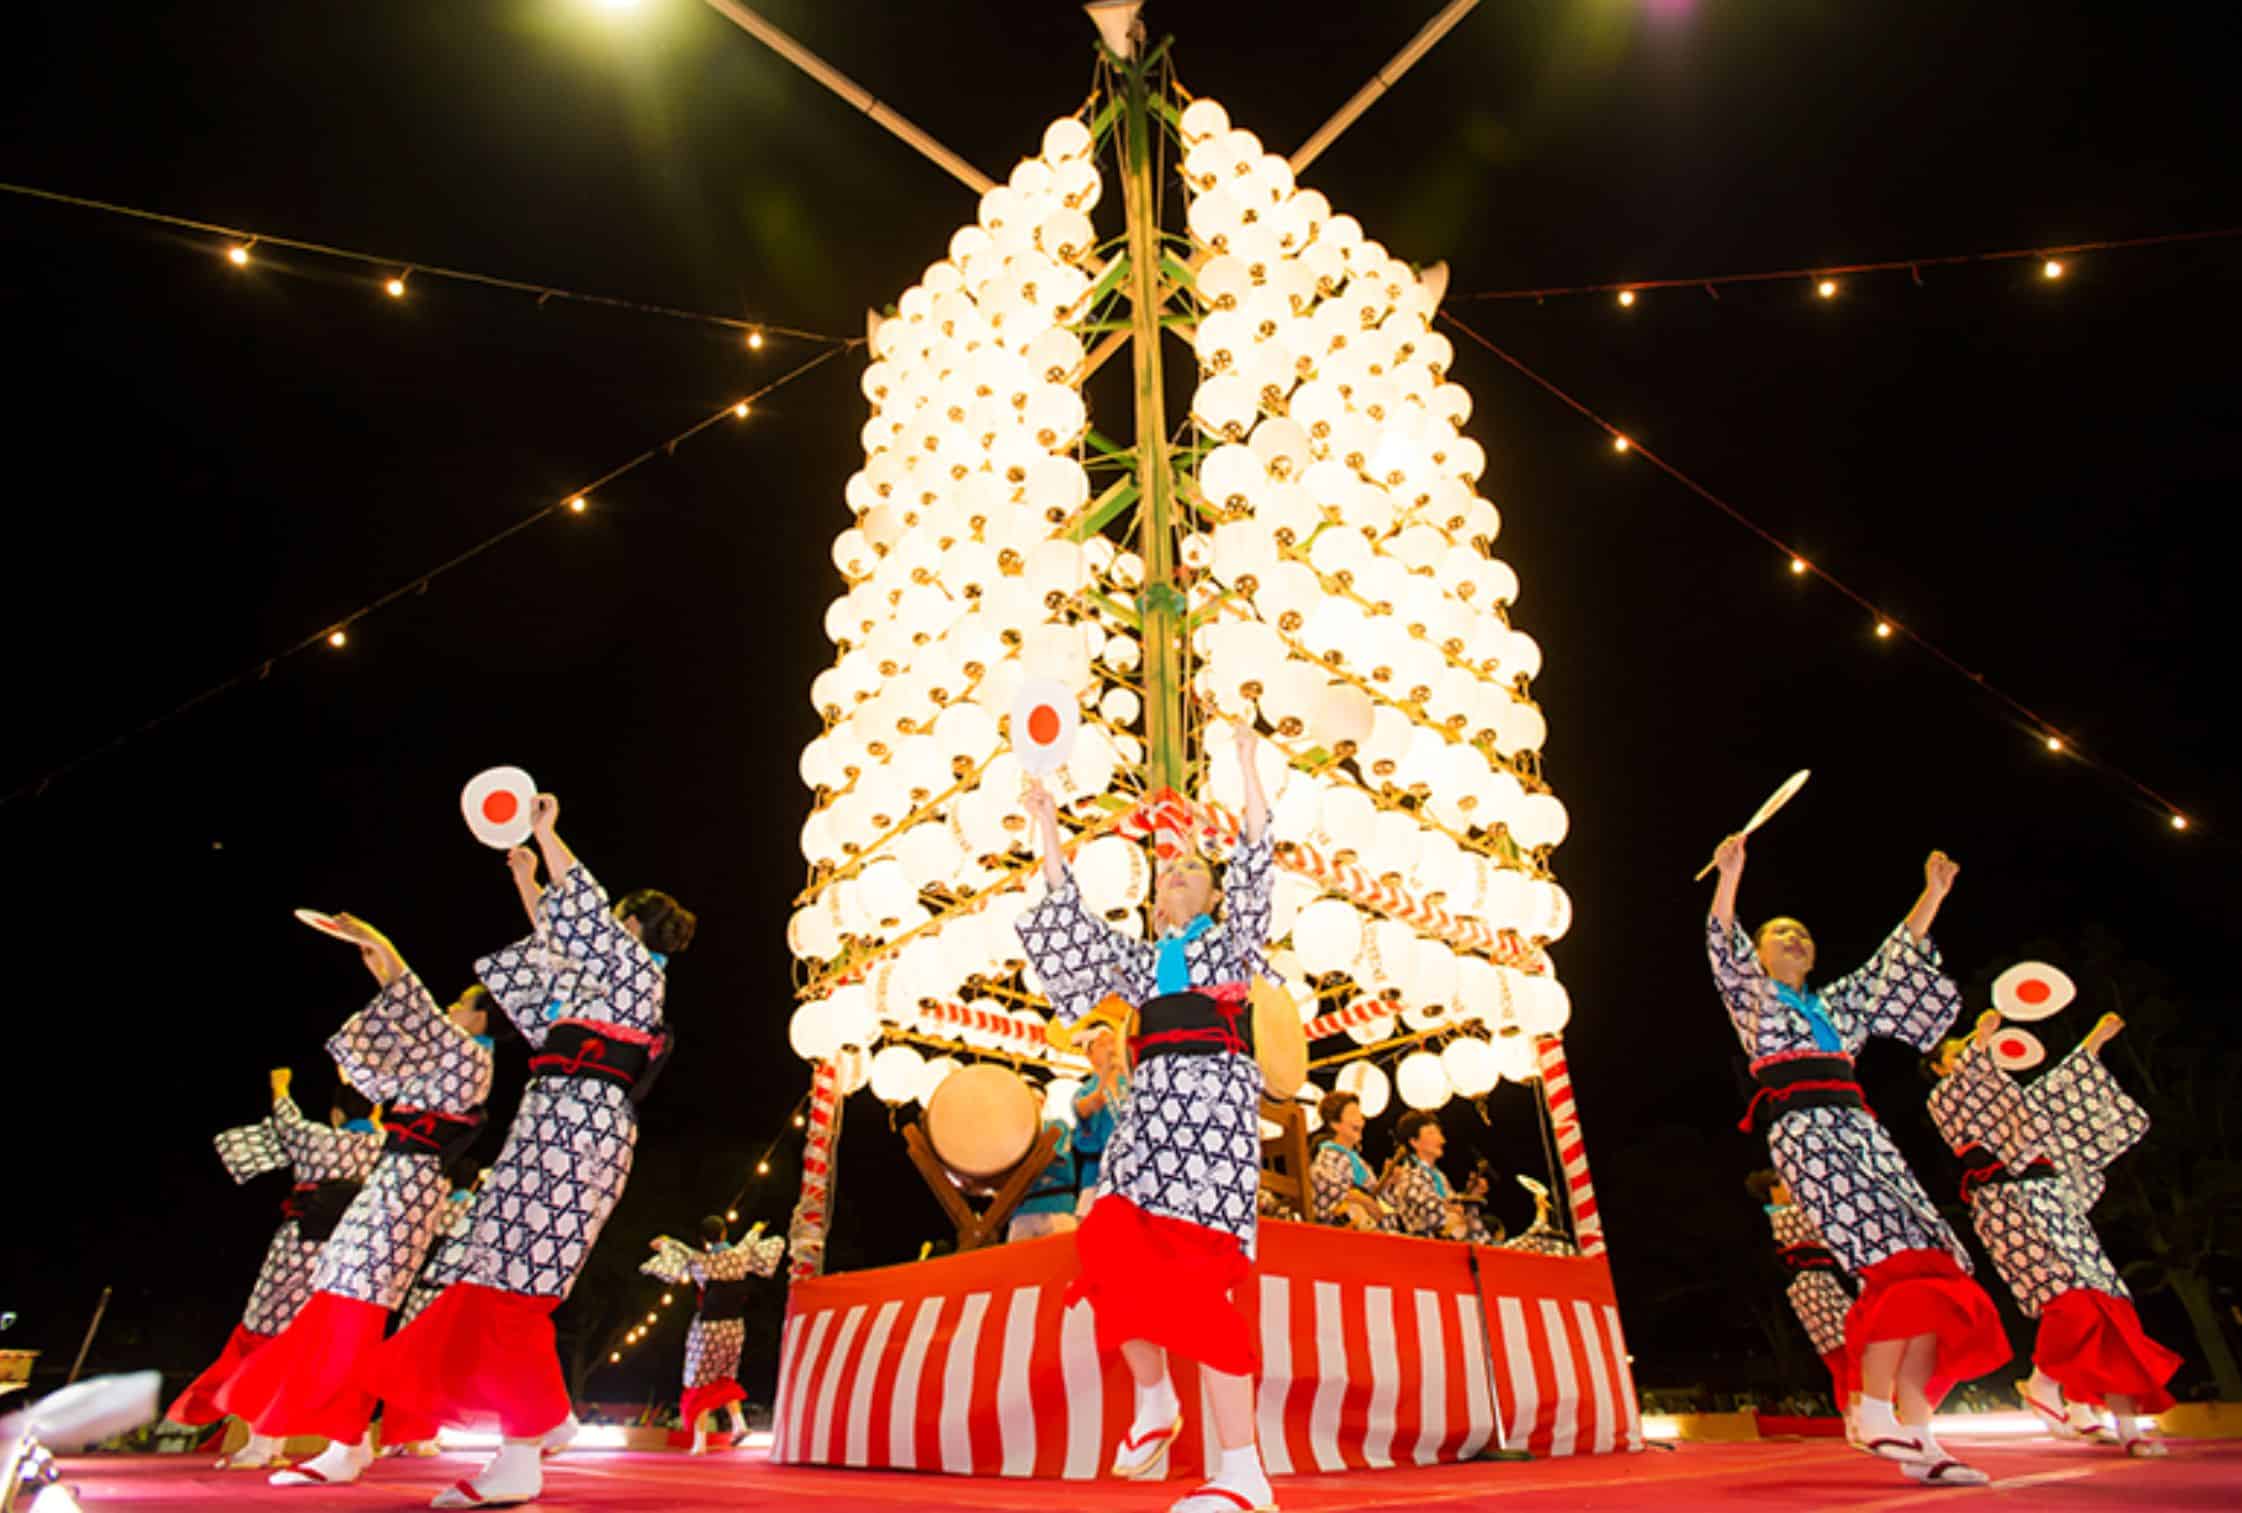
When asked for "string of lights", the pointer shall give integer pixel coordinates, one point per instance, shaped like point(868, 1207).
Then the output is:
point(397, 273)
point(336, 634)
point(2056, 741)
point(625, 1336)
point(2052, 261)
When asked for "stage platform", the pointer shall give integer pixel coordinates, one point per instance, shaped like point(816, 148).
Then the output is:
point(1769, 1475)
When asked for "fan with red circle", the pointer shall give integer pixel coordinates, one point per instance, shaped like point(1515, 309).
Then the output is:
point(496, 806)
point(2017, 1050)
point(1044, 720)
point(2032, 990)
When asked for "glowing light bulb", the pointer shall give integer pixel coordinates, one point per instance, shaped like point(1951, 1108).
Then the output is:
point(1827, 288)
point(2052, 268)
point(797, 1121)
point(667, 1300)
point(614, 1356)
point(336, 637)
point(762, 1168)
point(396, 288)
point(1626, 298)
point(740, 410)
point(755, 341)
point(2179, 822)
point(2055, 743)
point(651, 1319)
point(1798, 564)
point(1884, 629)
point(577, 504)
point(731, 1216)
point(238, 256)
point(1620, 443)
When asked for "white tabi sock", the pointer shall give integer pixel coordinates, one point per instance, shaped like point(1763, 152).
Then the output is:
point(2046, 1388)
point(739, 1421)
point(1156, 1408)
point(1241, 1473)
point(2128, 1427)
point(1875, 1419)
point(261, 1448)
point(340, 1463)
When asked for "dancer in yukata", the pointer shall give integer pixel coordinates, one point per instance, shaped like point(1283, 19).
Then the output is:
point(1171, 1235)
point(327, 1163)
point(2033, 1156)
point(1919, 1320)
point(587, 991)
point(1817, 1291)
point(719, 1273)
point(432, 1068)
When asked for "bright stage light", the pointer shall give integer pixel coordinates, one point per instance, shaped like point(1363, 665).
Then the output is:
point(1884, 630)
point(396, 288)
point(2055, 743)
point(754, 341)
point(762, 1168)
point(1798, 564)
point(577, 504)
point(1620, 443)
point(336, 637)
point(1827, 288)
point(238, 256)
point(2052, 268)
point(731, 1216)
point(1626, 297)
point(2179, 822)
point(740, 410)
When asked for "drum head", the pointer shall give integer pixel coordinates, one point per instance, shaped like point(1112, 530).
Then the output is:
point(982, 1120)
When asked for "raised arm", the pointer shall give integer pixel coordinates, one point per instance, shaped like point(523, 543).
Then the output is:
point(1255, 822)
point(1044, 811)
point(544, 815)
point(374, 948)
point(1730, 859)
point(522, 863)
point(1939, 871)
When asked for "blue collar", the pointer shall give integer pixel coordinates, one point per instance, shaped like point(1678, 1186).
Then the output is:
point(484, 1041)
point(661, 958)
point(1171, 968)
point(360, 1127)
point(1439, 1177)
point(1354, 1159)
point(1810, 1008)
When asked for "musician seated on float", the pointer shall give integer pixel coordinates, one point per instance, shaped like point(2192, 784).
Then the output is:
point(1419, 1193)
point(1048, 1209)
point(1340, 1181)
point(1096, 1105)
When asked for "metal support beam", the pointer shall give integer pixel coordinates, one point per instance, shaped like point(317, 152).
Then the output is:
point(856, 94)
point(1381, 81)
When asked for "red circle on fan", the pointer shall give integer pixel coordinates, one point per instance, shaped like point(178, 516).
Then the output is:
point(2032, 990)
point(1045, 717)
point(2017, 1050)
point(496, 805)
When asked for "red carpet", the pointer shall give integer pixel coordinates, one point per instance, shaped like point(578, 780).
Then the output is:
point(1766, 1476)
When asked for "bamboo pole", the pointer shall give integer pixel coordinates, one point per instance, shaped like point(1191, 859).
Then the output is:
point(1381, 81)
point(856, 94)
point(85, 1345)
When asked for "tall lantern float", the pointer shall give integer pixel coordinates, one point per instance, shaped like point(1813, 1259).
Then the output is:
point(1313, 555)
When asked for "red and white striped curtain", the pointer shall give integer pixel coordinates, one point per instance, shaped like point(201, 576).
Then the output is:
point(1377, 1351)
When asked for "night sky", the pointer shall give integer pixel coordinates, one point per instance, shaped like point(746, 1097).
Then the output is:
point(209, 464)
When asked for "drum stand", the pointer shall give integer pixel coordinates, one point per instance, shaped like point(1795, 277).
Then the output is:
point(1006, 1189)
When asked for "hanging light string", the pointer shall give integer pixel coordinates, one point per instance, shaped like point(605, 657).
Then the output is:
point(2050, 259)
point(1886, 627)
point(624, 1336)
point(400, 271)
point(336, 633)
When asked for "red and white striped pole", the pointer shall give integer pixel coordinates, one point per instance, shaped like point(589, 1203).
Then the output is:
point(1572, 1152)
point(805, 1232)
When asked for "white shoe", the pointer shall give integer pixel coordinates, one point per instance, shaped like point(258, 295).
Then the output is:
point(512, 1477)
point(336, 1466)
point(560, 1436)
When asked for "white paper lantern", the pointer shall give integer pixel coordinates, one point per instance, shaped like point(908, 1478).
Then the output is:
point(1422, 1081)
point(1471, 1064)
point(811, 1032)
point(853, 1019)
point(1327, 936)
point(932, 1075)
point(896, 1070)
point(1369, 1086)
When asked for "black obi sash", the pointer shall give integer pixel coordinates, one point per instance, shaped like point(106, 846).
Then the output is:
point(317, 1207)
point(1194, 1024)
point(1801, 1082)
point(1981, 1168)
point(585, 1049)
point(723, 1300)
point(424, 1132)
point(1801, 1259)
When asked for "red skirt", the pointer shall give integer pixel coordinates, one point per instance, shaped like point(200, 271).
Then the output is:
point(306, 1380)
point(2093, 1344)
point(1844, 1374)
point(198, 1405)
point(708, 1397)
point(476, 1358)
point(1925, 1292)
point(1149, 1277)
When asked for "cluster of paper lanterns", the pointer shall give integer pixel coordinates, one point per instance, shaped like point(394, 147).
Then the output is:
point(1358, 614)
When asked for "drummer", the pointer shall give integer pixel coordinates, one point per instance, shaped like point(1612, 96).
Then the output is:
point(1048, 1209)
point(1172, 1232)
